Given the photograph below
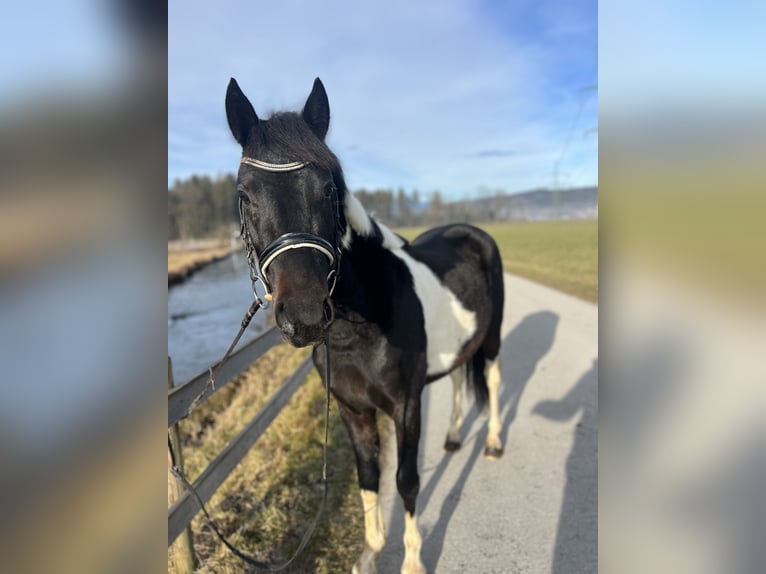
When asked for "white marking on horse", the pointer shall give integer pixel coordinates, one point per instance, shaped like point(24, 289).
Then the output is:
point(361, 222)
point(412, 544)
point(448, 324)
point(374, 535)
point(390, 239)
point(493, 384)
point(357, 218)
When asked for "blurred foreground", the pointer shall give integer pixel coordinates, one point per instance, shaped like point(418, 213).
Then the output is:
point(82, 278)
point(682, 447)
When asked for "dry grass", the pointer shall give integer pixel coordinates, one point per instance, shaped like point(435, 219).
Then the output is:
point(266, 503)
point(180, 262)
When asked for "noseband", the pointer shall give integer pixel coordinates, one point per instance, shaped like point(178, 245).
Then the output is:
point(259, 264)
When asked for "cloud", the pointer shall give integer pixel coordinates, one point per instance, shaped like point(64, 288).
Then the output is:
point(492, 153)
point(414, 88)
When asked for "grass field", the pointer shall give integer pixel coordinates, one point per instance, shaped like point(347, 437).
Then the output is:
point(560, 254)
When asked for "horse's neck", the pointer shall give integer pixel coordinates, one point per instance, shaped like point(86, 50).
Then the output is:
point(367, 246)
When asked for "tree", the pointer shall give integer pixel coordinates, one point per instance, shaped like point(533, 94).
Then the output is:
point(405, 211)
point(435, 212)
point(202, 207)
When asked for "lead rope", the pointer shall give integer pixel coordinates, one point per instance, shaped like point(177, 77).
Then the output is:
point(256, 304)
point(178, 473)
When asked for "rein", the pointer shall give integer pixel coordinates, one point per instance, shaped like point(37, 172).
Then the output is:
point(258, 270)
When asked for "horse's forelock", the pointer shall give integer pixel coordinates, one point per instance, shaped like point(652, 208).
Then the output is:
point(286, 137)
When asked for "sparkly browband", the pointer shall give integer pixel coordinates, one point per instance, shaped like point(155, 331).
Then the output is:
point(275, 167)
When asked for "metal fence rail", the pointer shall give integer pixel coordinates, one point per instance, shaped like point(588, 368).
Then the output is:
point(181, 397)
point(183, 510)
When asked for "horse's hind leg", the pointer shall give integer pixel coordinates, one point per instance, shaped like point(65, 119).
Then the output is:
point(363, 431)
point(494, 447)
point(453, 435)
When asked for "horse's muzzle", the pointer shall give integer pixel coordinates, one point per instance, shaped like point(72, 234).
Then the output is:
point(303, 322)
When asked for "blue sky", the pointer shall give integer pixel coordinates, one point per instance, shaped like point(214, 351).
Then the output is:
point(683, 56)
point(449, 95)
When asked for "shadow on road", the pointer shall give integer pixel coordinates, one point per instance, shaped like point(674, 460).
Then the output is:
point(520, 353)
point(724, 505)
point(577, 535)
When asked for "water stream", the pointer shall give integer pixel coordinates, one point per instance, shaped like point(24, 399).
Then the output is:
point(204, 314)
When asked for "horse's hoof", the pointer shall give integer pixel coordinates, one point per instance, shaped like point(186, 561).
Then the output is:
point(493, 453)
point(366, 563)
point(451, 445)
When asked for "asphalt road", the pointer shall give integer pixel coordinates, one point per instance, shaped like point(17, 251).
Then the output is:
point(534, 510)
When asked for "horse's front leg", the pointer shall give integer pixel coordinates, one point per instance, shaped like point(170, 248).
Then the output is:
point(363, 431)
point(407, 421)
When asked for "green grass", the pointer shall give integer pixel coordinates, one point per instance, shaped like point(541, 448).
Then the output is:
point(560, 254)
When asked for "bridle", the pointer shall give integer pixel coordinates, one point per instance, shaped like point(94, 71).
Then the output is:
point(259, 264)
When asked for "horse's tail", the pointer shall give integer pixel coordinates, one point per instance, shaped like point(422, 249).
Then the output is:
point(476, 378)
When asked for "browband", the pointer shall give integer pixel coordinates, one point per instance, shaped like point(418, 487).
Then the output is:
point(274, 167)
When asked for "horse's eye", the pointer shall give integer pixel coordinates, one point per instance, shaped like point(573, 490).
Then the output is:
point(329, 189)
point(243, 197)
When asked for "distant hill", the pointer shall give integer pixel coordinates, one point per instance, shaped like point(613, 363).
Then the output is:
point(534, 205)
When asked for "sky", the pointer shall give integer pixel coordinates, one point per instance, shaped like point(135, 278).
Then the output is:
point(682, 56)
point(450, 95)
point(456, 96)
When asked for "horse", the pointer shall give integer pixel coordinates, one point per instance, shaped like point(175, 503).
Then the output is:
point(393, 315)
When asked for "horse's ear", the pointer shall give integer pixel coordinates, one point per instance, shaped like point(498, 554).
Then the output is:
point(316, 112)
point(240, 113)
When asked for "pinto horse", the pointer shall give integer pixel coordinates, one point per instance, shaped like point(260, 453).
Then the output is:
point(394, 316)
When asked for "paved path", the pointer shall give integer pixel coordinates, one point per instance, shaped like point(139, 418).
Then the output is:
point(535, 510)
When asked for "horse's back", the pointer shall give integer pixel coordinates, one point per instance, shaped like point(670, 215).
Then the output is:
point(467, 262)
point(441, 246)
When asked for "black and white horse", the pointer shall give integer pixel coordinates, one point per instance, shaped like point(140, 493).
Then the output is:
point(395, 315)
